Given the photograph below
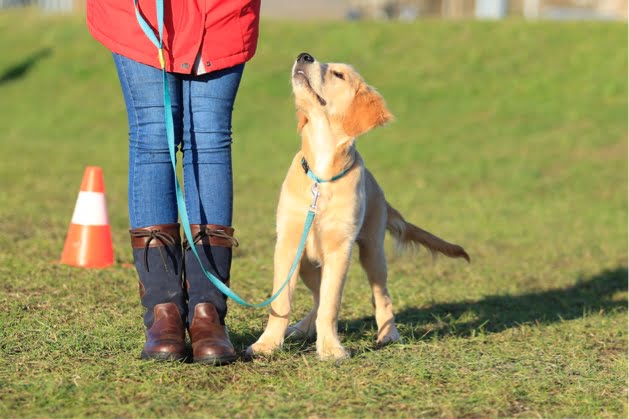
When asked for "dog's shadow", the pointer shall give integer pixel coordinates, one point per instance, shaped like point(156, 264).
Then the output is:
point(491, 314)
point(496, 313)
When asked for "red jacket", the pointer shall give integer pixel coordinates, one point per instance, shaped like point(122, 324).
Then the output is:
point(224, 32)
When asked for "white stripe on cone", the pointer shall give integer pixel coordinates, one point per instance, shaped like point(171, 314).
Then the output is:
point(90, 209)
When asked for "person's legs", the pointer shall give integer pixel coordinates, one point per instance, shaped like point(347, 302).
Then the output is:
point(155, 237)
point(208, 102)
point(151, 192)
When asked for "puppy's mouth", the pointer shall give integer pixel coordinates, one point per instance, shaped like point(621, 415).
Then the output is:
point(299, 74)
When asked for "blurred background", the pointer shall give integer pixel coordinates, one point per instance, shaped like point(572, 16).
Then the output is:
point(403, 9)
point(510, 139)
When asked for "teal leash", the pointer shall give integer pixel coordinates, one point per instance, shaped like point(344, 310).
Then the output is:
point(170, 133)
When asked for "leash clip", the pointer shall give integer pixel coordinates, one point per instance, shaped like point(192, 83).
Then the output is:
point(315, 196)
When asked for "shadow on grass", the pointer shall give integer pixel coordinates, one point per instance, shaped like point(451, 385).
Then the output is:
point(496, 313)
point(20, 69)
point(491, 314)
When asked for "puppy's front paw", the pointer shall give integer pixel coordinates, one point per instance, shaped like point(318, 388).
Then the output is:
point(331, 350)
point(262, 347)
point(388, 334)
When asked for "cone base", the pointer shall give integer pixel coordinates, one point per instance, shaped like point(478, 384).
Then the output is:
point(88, 247)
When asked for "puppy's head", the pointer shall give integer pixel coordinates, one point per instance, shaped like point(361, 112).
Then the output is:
point(338, 93)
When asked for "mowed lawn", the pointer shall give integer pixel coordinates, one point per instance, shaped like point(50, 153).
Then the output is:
point(510, 139)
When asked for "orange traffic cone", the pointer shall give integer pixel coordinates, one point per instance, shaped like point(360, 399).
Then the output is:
point(88, 243)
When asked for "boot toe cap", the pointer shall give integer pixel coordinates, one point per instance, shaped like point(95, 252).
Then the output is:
point(164, 351)
point(214, 353)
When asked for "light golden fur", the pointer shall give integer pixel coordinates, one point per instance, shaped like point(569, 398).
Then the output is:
point(334, 106)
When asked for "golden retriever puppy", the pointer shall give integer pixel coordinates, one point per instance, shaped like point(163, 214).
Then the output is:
point(334, 107)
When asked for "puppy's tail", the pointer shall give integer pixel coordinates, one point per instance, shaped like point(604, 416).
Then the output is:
point(408, 234)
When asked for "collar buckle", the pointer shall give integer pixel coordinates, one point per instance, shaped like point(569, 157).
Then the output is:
point(304, 165)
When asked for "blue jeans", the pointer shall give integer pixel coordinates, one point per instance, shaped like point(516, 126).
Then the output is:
point(202, 112)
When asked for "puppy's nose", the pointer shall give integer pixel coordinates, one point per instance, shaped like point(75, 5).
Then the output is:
point(304, 57)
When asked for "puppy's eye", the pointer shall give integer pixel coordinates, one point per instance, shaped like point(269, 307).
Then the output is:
point(339, 75)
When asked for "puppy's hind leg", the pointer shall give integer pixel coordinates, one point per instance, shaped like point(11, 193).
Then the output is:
point(306, 328)
point(374, 262)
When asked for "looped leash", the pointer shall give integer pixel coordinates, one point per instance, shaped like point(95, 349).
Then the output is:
point(170, 133)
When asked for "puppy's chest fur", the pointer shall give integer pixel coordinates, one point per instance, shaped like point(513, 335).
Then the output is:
point(339, 218)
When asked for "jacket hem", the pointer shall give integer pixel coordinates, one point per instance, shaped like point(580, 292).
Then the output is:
point(172, 66)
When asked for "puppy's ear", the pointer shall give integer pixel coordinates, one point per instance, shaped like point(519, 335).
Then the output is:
point(367, 111)
point(302, 120)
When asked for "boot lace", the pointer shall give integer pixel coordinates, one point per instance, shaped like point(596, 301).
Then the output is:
point(208, 232)
point(151, 235)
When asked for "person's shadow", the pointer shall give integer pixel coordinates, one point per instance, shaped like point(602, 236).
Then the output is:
point(19, 70)
point(494, 313)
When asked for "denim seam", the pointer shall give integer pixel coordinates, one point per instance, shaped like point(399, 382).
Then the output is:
point(137, 133)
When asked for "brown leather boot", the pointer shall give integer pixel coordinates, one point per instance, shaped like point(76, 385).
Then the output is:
point(213, 244)
point(157, 254)
point(210, 341)
point(165, 338)
point(207, 306)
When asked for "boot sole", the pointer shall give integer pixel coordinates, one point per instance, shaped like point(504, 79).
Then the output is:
point(223, 360)
point(162, 356)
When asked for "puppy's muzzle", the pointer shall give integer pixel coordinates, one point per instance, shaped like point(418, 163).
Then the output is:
point(300, 70)
point(302, 61)
point(305, 58)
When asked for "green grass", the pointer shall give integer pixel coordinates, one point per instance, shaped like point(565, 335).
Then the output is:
point(510, 139)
